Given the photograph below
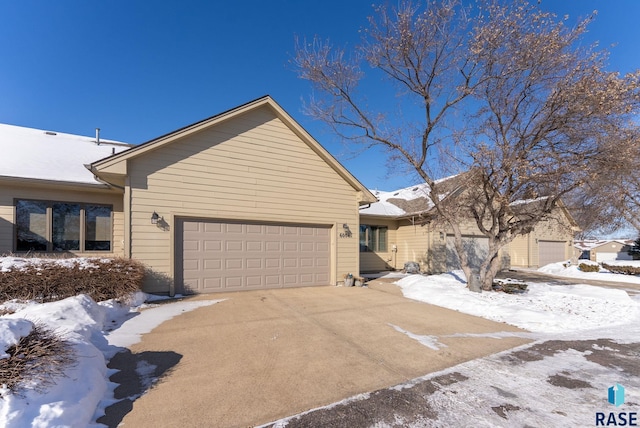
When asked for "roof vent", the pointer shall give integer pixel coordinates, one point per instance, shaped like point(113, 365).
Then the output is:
point(414, 189)
point(98, 136)
point(50, 133)
point(396, 194)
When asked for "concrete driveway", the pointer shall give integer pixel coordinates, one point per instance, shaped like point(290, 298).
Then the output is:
point(263, 355)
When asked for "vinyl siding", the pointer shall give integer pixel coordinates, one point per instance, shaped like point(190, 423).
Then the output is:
point(249, 168)
point(610, 247)
point(519, 252)
point(8, 193)
point(414, 242)
point(378, 261)
point(557, 229)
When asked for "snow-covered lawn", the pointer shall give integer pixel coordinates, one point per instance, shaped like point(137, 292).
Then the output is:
point(572, 271)
point(99, 330)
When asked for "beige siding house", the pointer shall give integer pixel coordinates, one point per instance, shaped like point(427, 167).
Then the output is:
point(604, 250)
point(550, 242)
point(392, 233)
point(243, 200)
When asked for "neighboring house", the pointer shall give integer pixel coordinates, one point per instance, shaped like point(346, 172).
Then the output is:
point(393, 231)
point(604, 250)
point(246, 199)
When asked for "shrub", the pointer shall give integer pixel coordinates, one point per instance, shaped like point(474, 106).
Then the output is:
point(35, 361)
point(625, 270)
point(50, 280)
point(584, 267)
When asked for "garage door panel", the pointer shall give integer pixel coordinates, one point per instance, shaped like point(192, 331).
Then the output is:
point(272, 246)
point(551, 252)
point(212, 283)
point(273, 230)
point(191, 265)
point(289, 230)
point(191, 227)
point(322, 247)
point(234, 246)
point(232, 228)
point(212, 245)
point(254, 263)
point(233, 281)
point(476, 248)
point(207, 227)
point(254, 228)
point(219, 256)
point(233, 264)
point(290, 263)
point(191, 245)
point(254, 281)
point(212, 264)
point(254, 246)
point(307, 247)
point(290, 246)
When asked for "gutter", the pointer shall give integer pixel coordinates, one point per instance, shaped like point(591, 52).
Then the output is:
point(100, 180)
point(57, 183)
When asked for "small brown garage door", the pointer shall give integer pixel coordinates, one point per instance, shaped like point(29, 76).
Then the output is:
point(551, 252)
point(218, 256)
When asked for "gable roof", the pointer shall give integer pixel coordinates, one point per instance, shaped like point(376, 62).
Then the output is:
point(35, 154)
point(590, 244)
point(415, 201)
point(116, 164)
point(412, 200)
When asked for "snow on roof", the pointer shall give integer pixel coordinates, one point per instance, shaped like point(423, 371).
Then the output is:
point(385, 208)
point(590, 244)
point(46, 155)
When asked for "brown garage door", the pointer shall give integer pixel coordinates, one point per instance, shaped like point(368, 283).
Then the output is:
point(218, 256)
point(551, 252)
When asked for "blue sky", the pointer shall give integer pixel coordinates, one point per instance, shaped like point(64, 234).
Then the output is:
point(140, 69)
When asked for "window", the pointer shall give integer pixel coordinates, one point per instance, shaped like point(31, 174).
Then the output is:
point(373, 238)
point(62, 226)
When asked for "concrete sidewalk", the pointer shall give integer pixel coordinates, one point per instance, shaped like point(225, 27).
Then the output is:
point(262, 355)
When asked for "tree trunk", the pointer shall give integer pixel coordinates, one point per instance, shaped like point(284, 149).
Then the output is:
point(490, 268)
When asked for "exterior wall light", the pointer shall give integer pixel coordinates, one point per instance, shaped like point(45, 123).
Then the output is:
point(154, 218)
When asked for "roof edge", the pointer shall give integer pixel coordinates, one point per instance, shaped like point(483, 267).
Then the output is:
point(365, 197)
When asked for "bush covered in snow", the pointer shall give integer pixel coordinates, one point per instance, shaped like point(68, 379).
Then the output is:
point(47, 280)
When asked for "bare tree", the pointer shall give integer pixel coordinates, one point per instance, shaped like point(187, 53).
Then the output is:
point(504, 88)
point(612, 200)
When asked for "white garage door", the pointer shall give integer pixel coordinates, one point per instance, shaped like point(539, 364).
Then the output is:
point(608, 257)
point(218, 256)
point(551, 252)
point(476, 248)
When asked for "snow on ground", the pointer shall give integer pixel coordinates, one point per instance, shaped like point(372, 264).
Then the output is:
point(491, 391)
point(99, 330)
point(573, 271)
point(566, 311)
